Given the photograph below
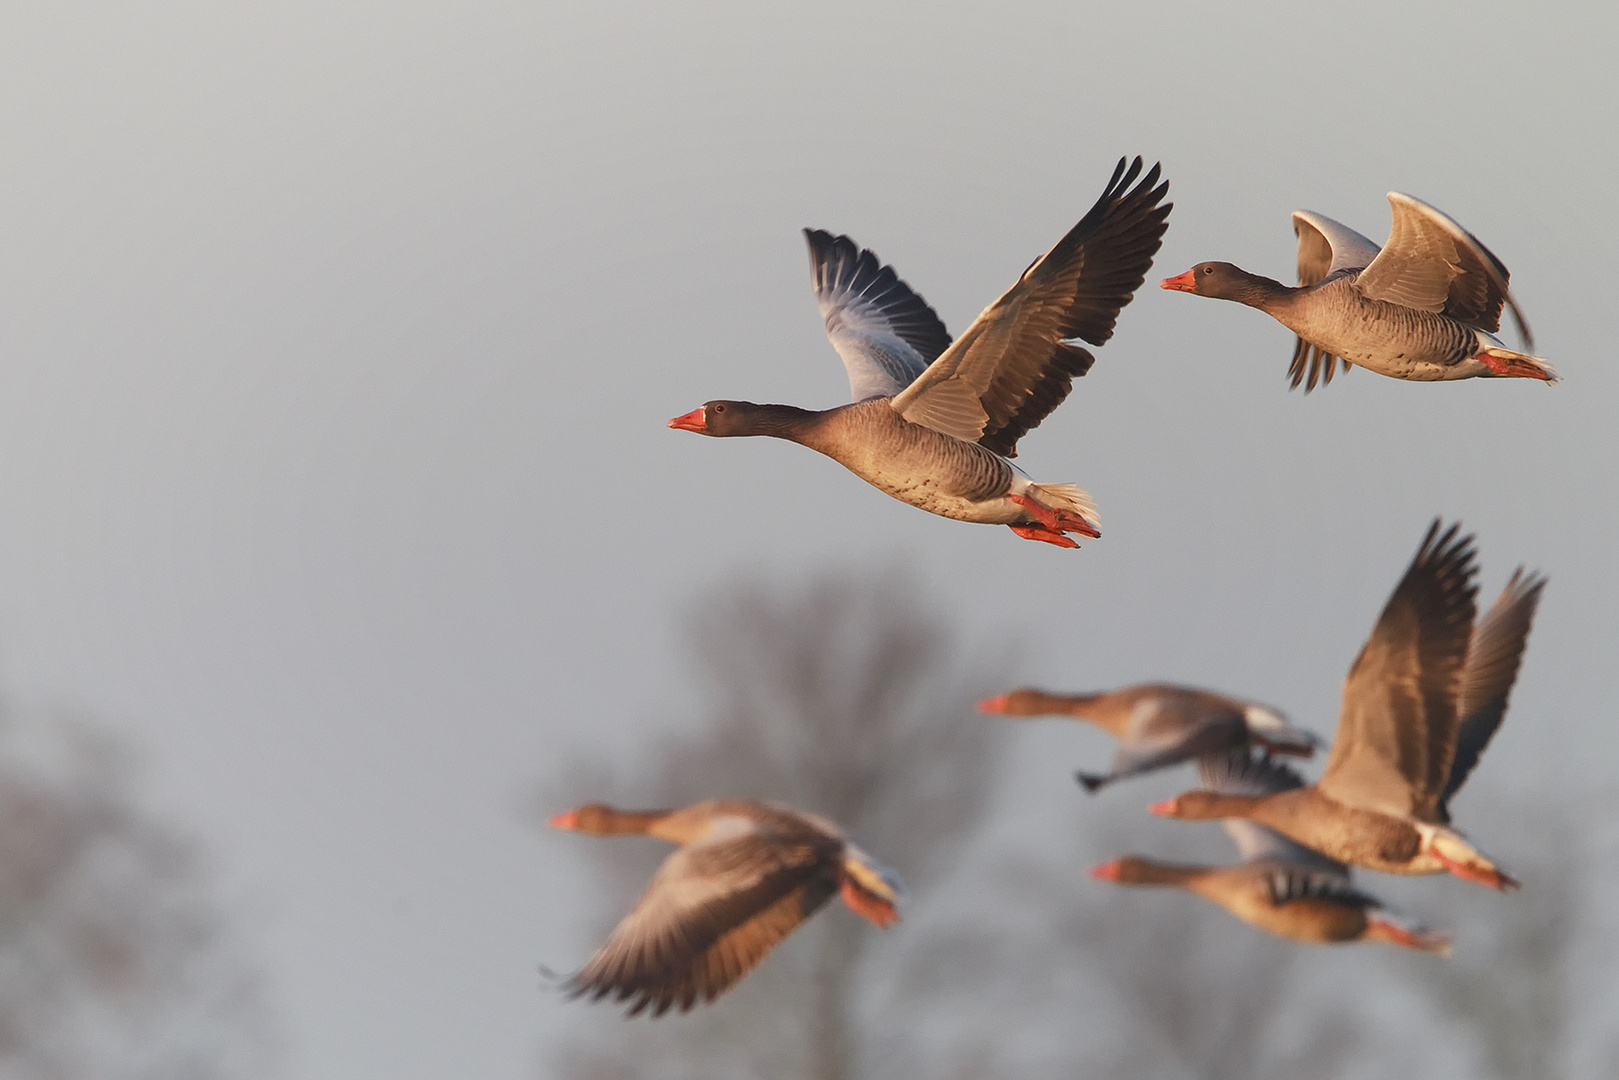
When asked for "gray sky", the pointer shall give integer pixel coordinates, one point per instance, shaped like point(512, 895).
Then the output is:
point(336, 346)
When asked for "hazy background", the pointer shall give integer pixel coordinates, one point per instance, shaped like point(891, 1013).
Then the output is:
point(337, 342)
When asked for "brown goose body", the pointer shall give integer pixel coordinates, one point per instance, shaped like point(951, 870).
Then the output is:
point(1280, 886)
point(914, 464)
point(1339, 320)
point(1424, 307)
point(1160, 724)
point(1250, 891)
point(745, 875)
point(1349, 834)
point(934, 421)
point(1422, 700)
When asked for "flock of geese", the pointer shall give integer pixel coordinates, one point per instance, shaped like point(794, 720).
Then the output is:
point(935, 422)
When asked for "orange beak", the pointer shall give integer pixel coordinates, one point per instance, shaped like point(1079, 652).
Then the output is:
point(696, 420)
point(1108, 871)
point(1180, 283)
point(995, 704)
point(568, 819)
point(1166, 808)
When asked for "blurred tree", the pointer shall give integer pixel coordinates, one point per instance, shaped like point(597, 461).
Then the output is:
point(112, 963)
point(1154, 982)
point(848, 698)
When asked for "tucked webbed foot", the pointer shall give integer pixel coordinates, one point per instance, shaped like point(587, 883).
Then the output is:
point(1057, 521)
point(1482, 874)
point(1038, 532)
point(1516, 365)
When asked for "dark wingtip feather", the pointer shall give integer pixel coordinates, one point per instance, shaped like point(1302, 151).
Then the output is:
point(1068, 362)
point(1503, 636)
point(844, 271)
point(1091, 782)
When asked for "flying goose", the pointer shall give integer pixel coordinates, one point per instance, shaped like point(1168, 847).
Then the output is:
point(934, 423)
point(1280, 886)
point(1424, 307)
point(1421, 702)
point(1159, 725)
point(745, 875)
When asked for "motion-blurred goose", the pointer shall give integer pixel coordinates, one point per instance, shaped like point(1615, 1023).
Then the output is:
point(745, 875)
point(1424, 307)
point(934, 423)
point(1280, 886)
point(1159, 725)
point(1419, 706)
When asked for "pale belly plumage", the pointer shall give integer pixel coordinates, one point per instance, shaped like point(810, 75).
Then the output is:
point(917, 465)
point(1389, 339)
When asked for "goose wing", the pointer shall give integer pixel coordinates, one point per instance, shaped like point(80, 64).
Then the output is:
point(1239, 772)
point(711, 913)
point(1287, 883)
point(1325, 247)
point(1433, 264)
point(1492, 667)
point(886, 334)
point(1397, 728)
point(1014, 364)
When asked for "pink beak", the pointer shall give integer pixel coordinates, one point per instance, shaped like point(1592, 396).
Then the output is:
point(696, 420)
point(1108, 871)
point(1180, 283)
point(568, 819)
point(995, 704)
point(1164, 809)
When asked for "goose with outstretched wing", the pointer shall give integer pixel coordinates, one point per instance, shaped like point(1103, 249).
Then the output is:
point(1421, 701)
point(935, 422)
point(1425, 307)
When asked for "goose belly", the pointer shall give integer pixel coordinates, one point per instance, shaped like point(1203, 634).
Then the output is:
point(1390, 339)
point(976, 493)
point(1359, 837)
point(933, 472)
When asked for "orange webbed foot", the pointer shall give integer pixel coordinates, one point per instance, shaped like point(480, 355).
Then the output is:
point(1043, 514)
point(1074, 523)
point(1495, 878)
point(1052, 521)
point(867, 905)
point(1050, 536)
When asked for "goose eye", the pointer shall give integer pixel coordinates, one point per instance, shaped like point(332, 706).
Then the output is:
point(719, 408)
point(1208, 269)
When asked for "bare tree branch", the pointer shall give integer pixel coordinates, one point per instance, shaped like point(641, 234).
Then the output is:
point(112, 962)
